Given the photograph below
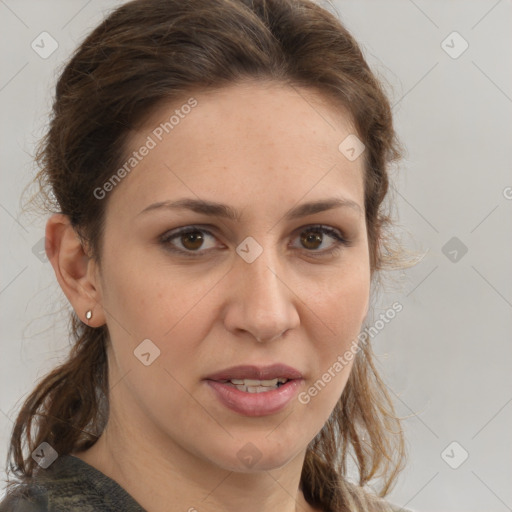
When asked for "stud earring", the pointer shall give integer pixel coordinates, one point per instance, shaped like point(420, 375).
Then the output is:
point(88, 314)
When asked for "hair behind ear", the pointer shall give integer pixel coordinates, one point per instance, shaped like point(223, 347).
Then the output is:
point(66, 403)
point(364, 421)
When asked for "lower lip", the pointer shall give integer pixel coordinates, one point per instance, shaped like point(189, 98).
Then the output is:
point(255, 404)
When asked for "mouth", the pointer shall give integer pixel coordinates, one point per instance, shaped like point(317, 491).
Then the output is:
point(255, 390)
point(272, 371)
point(255, 385)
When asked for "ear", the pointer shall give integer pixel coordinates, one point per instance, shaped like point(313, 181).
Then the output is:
point(77, 273)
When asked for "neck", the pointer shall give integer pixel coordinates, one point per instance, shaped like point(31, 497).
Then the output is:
point(172, 479)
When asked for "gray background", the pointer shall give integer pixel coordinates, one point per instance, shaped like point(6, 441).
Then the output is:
point(445, 356)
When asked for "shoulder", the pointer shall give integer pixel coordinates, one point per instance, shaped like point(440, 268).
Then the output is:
point(68, 484)
point(60, 487)
point(25, 498)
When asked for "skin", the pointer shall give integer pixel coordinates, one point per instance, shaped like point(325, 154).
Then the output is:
point(169, 442)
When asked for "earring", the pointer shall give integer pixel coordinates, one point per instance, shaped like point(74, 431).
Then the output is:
point(88, 314)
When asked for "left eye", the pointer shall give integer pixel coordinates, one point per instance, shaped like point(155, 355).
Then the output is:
point(313, 237)
point(191, 239)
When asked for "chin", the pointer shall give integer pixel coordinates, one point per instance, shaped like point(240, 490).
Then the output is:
point(263, 464)
point(251, 459)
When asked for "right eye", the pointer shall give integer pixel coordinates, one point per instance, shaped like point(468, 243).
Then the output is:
point(190, 240)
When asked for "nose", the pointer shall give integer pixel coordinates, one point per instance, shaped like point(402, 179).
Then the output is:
point(261, 302)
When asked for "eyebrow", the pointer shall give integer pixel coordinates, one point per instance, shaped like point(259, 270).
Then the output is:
point(215, 209)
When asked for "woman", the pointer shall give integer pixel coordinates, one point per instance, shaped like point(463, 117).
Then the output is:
point(217, 170)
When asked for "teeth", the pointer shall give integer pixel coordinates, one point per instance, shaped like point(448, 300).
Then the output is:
point(258, 389)
point(257, 386)
point(254, 382)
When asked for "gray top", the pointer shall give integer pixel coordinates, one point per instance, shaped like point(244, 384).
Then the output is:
point(69, 484)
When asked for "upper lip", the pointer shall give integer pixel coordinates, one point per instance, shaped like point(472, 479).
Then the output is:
point(257, 372)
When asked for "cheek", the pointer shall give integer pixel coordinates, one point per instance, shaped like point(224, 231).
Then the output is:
point(150, 298)
point(157, 302)
point(341, 301)
point(342, 305)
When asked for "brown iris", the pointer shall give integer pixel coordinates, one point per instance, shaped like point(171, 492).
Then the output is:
point(195, 240)
point(311, 237)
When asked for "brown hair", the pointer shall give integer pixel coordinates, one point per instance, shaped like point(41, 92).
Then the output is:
point(147, 52)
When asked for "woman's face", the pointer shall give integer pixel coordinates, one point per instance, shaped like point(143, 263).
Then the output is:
point(260, 294)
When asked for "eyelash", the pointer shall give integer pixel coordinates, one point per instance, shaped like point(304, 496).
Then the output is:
point(318, 228)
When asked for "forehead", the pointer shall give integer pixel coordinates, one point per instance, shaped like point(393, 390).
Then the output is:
point(246, 143)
